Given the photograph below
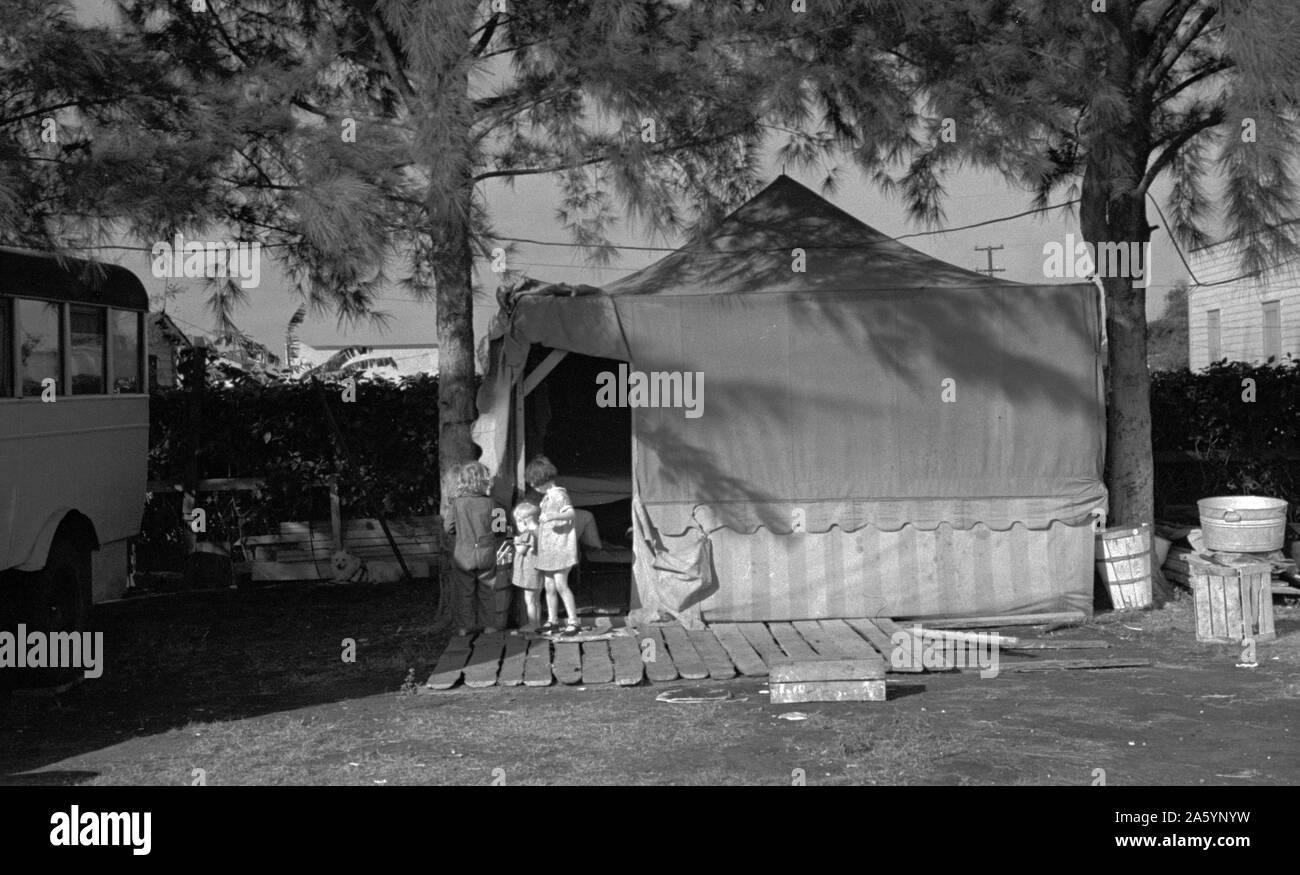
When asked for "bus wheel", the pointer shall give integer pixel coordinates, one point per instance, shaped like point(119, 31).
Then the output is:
point(59, 601)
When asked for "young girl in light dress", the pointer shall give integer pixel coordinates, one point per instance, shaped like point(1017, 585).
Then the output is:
point(557, 544)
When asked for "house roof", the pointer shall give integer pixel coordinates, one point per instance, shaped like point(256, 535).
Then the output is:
point(169, 328)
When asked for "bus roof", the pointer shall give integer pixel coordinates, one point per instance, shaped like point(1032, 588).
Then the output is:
point(39, 275)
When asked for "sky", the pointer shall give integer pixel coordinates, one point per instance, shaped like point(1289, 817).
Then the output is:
point(528, 210)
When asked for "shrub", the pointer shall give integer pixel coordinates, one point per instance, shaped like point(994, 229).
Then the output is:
point(279, 432)
point(1232, 445)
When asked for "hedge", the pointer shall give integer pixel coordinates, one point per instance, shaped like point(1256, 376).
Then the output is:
point(279, 432)
point(1207, 438)
point(1210, 439)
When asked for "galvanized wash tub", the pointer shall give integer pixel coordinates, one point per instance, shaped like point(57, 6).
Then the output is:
point(1243, 523)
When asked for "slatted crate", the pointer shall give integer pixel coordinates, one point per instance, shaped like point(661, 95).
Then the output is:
point(1233, 602)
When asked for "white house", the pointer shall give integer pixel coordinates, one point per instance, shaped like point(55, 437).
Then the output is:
point(1248, 319)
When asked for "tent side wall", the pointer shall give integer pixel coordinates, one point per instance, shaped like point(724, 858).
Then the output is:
point(907, 573)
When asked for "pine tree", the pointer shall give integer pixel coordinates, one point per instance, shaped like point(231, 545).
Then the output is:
point(1100, 99)
point(362, 132)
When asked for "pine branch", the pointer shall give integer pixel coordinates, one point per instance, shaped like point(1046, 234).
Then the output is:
point(1212, 119)
point(1205, 72)
point(387, 45)
point(1178, 46)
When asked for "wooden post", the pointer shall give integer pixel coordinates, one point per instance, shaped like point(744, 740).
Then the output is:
point(526, 385)
point(520, 462)
point(195, 378)
point(336, 514)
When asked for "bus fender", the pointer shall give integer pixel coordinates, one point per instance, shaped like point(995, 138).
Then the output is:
point(73, 523)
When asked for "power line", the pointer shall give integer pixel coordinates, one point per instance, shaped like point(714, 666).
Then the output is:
point(858, 245)
point(1196, 283)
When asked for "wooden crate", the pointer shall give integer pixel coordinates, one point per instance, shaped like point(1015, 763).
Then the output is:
point(842, 679)
point(302, 551)
point(1233, 602)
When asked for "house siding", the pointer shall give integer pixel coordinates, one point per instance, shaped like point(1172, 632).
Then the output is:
point(1241, 308)
point(164, 342)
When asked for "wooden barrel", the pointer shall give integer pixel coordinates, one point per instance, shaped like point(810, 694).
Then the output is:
point(1123, 557)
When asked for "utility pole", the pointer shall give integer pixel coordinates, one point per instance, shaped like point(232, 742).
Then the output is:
point(990, 270)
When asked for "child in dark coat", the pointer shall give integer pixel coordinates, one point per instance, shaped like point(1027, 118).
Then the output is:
point(475, 598)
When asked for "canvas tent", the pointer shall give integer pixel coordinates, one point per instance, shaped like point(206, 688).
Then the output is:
point(881, 433)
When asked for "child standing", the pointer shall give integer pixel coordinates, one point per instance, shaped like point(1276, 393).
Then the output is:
point(557, 543)
point(473, 565)
point(526, 576)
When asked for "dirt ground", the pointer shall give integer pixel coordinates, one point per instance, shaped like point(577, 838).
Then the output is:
point(249, 687)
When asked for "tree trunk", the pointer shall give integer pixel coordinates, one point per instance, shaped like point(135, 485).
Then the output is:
point(453, 274)
point(1129, 467)
point(447, 121)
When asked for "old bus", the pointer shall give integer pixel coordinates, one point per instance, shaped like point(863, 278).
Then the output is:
point(74, 434)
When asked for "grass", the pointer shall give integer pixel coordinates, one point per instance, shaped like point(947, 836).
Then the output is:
point(251, 688)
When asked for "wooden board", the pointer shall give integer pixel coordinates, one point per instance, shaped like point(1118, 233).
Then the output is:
point(661, 668)
point(846, 640)
point(828, 691)
point(989, 638)
point(879, 640)
point(512, 664)
point(838, 668)
point(628, 668)
point(812, 632)
point(566, 664)
point(597, 668)
point(450, 664)
point(481, 671)
point(1070, 664)
point(761, 640)
point(684, 656)
point(742, 653)
point(892, 629)
point(793, 645)
point(1006, 620)
point(537, 664)
point(265, 570)
point(714, 655)
point(1023, 644)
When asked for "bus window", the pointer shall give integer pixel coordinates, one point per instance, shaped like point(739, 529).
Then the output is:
point(6, 349)
point(124, 327)
point(40, 350)
point(87, 331)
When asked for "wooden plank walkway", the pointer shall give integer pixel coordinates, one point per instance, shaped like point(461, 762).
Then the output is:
point(628, 667)
point(597, 667)
point(685, 657)
point(567, 664)
point(658, 664)
point(623, 656)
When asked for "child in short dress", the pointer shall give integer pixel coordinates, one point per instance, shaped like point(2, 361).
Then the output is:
point(557, 543)
point(526, 576)
point(475, 598)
